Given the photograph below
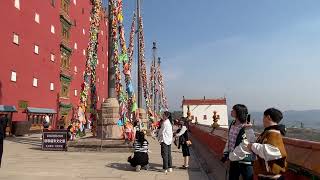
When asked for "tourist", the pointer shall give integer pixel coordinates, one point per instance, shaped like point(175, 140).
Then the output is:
point(188, 123)
point(155, 125)
point(88, 123)
point(140, 157)
point(129, 132)
point(69, 133)
point(165, 136)
point(184, 141)
point(61, 121)
point(3, 123)
point(137, 125)
point(269, 148)
point(4, 119)
point(73, 130)
point(236, 136)
point(155, 132)
point(46, 122)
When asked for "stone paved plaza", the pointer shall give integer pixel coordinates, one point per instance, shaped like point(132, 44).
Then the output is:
point(23, 159)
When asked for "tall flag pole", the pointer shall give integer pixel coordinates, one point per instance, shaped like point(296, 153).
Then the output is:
point(162, 97)
point(143, 67)
point(132, 104)
point(128, 96)
point(90, 71)
point(139, 56)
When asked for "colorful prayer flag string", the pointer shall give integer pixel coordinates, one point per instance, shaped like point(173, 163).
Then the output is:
point(143, 67)
point(91, 64)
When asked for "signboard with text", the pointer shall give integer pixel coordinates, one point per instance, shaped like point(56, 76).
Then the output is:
point(54, 140)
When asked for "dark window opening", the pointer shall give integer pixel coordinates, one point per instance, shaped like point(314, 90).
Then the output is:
point(53, 3)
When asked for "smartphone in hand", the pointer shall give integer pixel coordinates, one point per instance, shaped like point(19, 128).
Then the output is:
point(248, 119)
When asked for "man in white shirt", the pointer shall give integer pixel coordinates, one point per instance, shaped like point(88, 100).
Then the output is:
point(165, 137)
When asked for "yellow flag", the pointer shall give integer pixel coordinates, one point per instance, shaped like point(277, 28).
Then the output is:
point(120, 18)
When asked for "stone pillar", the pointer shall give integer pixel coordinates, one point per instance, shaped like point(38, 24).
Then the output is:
point(107, 127)
point(143, 118)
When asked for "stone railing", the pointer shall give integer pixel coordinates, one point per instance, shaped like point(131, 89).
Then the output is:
point(303, 156)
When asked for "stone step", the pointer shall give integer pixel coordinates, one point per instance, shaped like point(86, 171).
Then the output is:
point(95, 144)
point(99, 149)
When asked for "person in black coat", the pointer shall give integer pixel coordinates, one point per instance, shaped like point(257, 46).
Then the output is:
point(141, 148)
point(3, 125)
point(183, 139)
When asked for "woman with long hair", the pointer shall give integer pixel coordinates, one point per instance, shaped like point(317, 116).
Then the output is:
point(140, 157)
point(183, 141)
point(236, 136)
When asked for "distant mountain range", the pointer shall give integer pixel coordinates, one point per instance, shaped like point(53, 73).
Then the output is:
point(305, 119)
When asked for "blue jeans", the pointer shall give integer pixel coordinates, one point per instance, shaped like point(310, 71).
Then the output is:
point(237, 169)
point(265, 178)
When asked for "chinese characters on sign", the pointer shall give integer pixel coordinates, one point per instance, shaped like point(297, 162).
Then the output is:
point(54, 140)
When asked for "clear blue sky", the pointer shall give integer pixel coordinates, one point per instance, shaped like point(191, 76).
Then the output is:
point(261, 53)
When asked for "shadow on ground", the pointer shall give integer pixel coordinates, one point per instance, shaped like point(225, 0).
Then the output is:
point(36, 148)
point(175, 151)
point(128, 167)
point(34, 141)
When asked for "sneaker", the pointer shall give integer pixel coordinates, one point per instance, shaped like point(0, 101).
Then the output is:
point(170, 169)
point(185, 167)
point(138, 168)
point(165, 171)
point(147, 167)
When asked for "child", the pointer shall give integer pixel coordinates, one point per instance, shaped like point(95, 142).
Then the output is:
point(129, 133)
point(73, 130)
point(157, 128)
point(269, 147)
point(140, 156)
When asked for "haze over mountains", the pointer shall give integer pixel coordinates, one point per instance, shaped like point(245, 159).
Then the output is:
point(308, 118)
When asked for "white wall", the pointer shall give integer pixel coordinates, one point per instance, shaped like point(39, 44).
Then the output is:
point(200, 110)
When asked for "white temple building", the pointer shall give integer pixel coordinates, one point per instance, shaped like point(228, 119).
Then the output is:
point(202, 110)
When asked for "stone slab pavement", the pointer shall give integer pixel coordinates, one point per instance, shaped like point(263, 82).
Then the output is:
point(23, 159)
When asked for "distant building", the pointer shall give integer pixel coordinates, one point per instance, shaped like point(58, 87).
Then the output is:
point(43, 56)
point(201, 110)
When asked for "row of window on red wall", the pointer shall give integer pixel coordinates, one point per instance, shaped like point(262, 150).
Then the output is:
point(36, 50)
point(52, 2)
point(52, 56)
point(51, 85)
point(16, 39)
